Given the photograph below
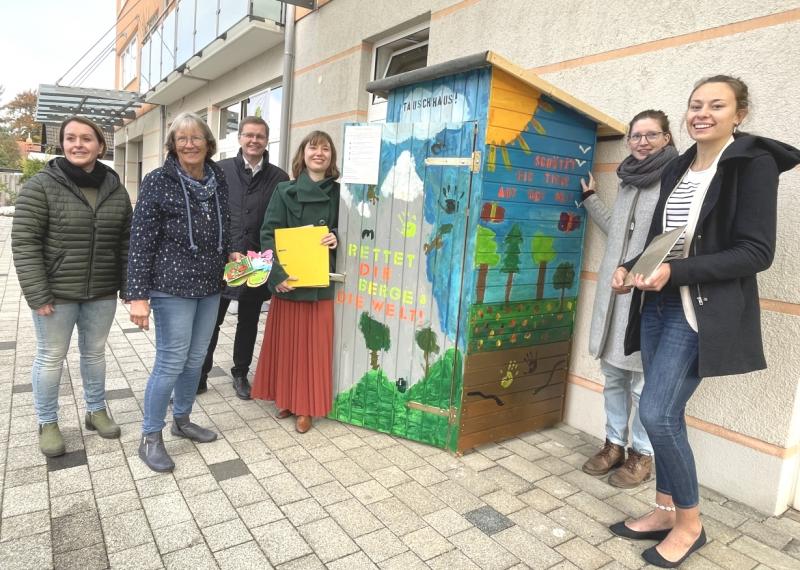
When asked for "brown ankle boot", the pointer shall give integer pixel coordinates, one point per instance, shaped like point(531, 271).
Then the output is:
point(612, 455)
point(636, 470)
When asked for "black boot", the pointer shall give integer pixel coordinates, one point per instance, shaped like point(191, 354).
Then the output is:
point(182, 427)
point(241, 386)
point(154, 454)
point(202, 386)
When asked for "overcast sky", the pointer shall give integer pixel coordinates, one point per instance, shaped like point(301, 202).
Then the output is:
point(41, 39)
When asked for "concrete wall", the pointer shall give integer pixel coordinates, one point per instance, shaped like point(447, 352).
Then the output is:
point(621, 57)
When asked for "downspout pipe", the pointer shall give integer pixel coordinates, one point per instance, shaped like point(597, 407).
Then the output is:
point(288, 84)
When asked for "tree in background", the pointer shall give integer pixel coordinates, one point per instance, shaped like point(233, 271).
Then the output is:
point(19, 116)
point(511, 257)
point(31, 166)
point(9, 151)
point(485, 256)
point(426, 340)
point(542, 253)
point(376, 336)
point(564, 278)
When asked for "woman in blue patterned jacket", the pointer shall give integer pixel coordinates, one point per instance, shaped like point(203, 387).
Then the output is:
point(178, 250)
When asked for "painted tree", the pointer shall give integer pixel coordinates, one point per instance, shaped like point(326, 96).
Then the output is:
point(511, 257)
point(564, 278)
point(485, 256)
point(542, 253)
point(426, 340)
point(376, 336)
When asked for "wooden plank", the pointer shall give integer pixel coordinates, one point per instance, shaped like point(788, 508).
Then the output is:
point(607, 125)
point(488, 360)
point(499, 433)
point(513, 416)
point(500, 404)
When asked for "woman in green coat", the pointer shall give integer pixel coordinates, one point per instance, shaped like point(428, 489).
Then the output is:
point(295, 365)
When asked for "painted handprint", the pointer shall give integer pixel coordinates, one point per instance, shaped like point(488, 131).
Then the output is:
point(408, 224)
point(511, 370)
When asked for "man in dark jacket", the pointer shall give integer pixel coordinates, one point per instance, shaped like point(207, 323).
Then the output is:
point(251, 181)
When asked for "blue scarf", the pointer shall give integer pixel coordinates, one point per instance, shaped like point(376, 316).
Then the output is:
point(203, 190)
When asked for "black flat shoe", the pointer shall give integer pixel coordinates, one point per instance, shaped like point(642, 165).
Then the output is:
point(620, 529)
point(652, 556)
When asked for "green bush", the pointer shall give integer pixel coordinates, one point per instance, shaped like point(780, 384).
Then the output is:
point(30, 167)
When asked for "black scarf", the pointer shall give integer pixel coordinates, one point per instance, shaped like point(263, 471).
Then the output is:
point(79, 176)
point(646, 172)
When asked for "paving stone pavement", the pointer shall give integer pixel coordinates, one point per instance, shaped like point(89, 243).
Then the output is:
point(263, 496)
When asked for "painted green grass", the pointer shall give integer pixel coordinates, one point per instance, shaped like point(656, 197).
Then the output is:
point(501, 326)
point(375, 402)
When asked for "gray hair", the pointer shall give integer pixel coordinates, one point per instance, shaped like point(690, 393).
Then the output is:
point(189, 120)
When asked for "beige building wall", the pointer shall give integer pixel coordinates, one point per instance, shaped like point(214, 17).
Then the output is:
point(620, 57)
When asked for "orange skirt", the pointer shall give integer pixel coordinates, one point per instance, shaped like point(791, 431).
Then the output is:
point(295, 367)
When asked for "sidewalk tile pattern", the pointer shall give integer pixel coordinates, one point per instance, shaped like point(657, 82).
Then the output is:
point(264, 496)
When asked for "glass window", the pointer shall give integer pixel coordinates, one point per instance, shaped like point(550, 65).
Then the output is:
point(155, 56)
point(185, 48)
point(230, 12)
point(268, 9)
point(229, 120)
point(274, 149)
point(274, 115)
point(205, 24)
point(144, 64)
point(258, 105)
point(129, 62)
point(168, 45)
point(401, 55)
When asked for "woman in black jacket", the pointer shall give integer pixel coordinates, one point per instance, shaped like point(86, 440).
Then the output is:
point(70, 244)
point(699, 315)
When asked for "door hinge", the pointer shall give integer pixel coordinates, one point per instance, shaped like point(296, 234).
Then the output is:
point(450, 413)
point(474, 161)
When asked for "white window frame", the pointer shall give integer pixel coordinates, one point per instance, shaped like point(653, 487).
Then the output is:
point(378, 106)
point(128, 60)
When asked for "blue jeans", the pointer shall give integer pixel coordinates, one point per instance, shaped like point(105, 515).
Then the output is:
point(669, 355)
point(183, 329)
point(53, 334)
point(621, 393)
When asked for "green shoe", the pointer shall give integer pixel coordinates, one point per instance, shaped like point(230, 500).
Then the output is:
point(102, 422)
point(51, 442)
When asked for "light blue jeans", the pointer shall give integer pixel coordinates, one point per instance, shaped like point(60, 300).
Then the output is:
point(53, 335)
point(183, 331)
point(621, 393)
point(670, 358)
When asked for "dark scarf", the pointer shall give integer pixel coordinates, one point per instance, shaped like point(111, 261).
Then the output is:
point(79, 176)
point(203, 190)
point(644, 173)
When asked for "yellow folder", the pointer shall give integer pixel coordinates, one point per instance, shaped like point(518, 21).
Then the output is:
point(303, 256)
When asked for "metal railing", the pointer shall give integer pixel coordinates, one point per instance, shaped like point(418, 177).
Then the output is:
point(190, 27)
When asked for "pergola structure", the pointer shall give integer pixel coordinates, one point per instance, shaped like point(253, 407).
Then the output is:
point(106, 107)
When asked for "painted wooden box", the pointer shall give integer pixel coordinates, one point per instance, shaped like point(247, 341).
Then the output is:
point(453, 326)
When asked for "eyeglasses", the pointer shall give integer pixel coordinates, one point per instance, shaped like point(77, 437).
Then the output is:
point(651, 137)
point(257, 136)
point(183, 141)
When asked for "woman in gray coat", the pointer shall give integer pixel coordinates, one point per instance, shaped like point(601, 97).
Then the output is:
point(625, 225)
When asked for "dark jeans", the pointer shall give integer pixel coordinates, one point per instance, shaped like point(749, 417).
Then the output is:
point(250, 301)
point(669, 356)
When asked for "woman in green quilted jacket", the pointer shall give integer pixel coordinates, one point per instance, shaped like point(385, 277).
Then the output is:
point(70, 245)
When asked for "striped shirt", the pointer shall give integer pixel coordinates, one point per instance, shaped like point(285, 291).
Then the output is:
point(680, 201)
